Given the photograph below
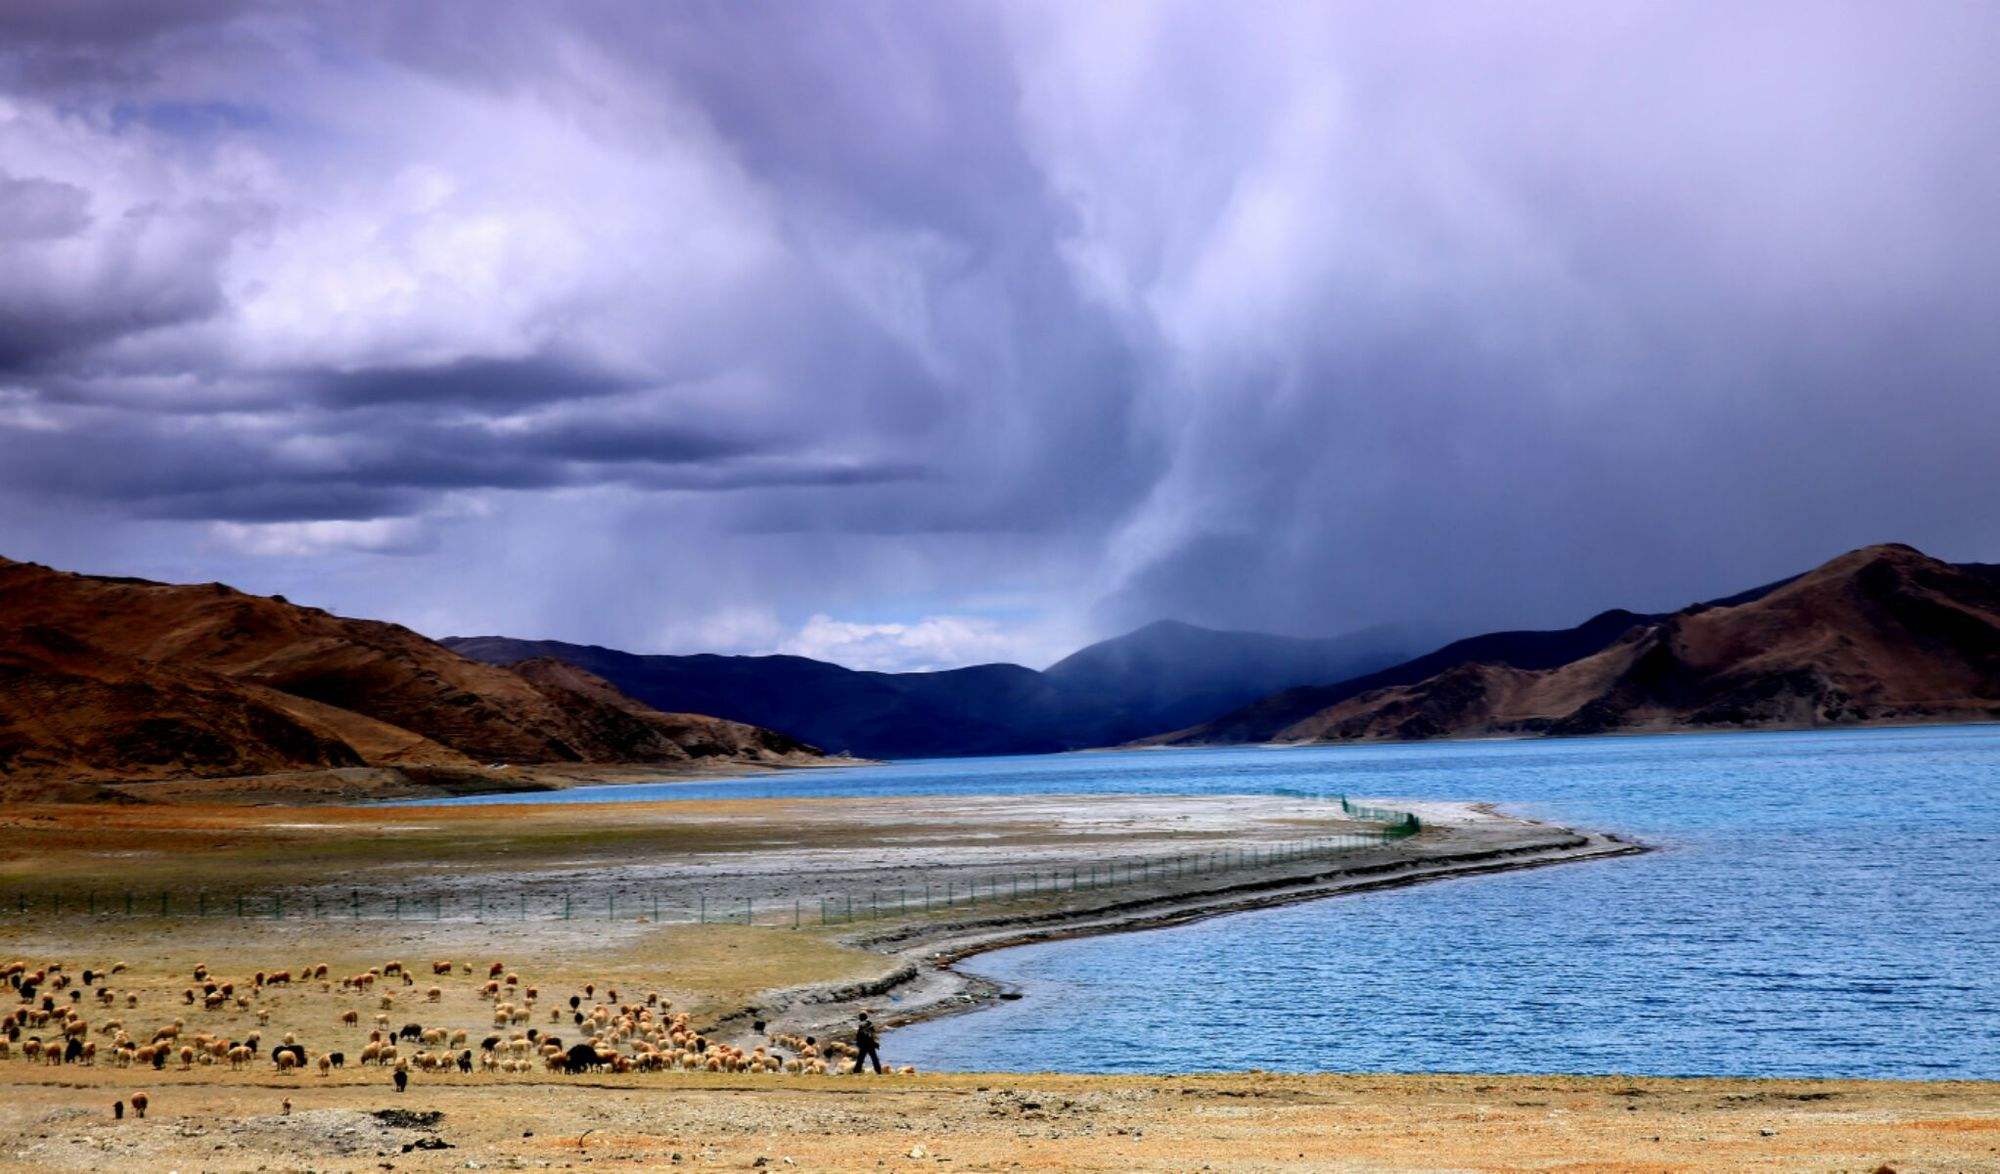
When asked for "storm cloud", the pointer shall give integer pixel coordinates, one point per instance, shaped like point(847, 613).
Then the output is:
point(919, 334)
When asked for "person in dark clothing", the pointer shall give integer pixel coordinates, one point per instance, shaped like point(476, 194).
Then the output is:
point(865, 1045)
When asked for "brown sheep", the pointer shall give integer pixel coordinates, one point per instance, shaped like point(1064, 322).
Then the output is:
point(139, 1103)
point(442, 966)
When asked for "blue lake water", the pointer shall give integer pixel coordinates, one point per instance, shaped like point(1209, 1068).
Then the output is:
point(1821, 903)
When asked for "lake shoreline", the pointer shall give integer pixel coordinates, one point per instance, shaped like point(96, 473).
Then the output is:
point(1464, 840)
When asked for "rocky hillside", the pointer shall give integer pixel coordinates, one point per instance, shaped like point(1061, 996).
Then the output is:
point(124, 678)
point(1882, 634)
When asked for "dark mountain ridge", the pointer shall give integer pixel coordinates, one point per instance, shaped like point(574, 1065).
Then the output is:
point(1155, 678)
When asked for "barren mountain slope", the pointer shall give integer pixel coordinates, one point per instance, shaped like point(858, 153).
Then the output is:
point(1881, 634)
point(124, 678)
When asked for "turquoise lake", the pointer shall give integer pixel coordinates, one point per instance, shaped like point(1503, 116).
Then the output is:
point(1823, 903)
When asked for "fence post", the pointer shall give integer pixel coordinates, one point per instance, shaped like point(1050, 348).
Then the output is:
point(704, 908)
point(795, 912)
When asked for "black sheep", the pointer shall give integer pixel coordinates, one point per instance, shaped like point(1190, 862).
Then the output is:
point(489, 1043)
point(411, 1031)
point(465, 1060)
point(337, 1059)
point(581, 1058)
point(73, 1051)
point(297, 1050)
point(402, 1080)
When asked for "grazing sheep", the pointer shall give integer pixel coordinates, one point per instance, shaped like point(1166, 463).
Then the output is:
point(441, 967)
point(118, 1110)
point(285, 1110)
point(350, 1017)
point(139, 1103)
point(339, 1059)
point(496, 970)
point(402, 1079)
point(434, 994)
point(325, 1064)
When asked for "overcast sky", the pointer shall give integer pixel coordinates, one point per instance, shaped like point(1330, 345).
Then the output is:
point(929, 333)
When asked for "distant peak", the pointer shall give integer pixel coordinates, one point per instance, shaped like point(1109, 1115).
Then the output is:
point(1890, 553)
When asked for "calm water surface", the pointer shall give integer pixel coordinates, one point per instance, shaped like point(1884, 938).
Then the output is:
point(1821, 904)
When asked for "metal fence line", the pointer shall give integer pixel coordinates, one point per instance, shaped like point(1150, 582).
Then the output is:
point(943, 890)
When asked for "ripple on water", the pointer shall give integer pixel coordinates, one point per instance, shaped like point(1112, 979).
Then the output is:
point(1822, 904)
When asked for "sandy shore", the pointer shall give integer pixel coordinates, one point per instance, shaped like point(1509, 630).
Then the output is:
point(354, 1121)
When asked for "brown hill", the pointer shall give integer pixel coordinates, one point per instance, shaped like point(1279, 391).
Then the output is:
point(125, 678)
point(1882, 634)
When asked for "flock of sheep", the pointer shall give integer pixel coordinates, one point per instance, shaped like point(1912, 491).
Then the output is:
point(52, 1025)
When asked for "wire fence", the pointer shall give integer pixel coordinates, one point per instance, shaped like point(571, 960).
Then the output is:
point(941, 891)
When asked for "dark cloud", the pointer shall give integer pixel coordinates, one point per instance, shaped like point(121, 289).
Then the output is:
point(1288, 316)
point(492, 384)
point(41, 209)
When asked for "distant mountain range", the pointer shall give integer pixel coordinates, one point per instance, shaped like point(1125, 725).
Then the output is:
point(110, 678)
point(106, 678)
point(1882, 634)
point(1159, 677)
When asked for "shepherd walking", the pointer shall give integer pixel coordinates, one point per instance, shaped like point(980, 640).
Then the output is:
point(865, 1045)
